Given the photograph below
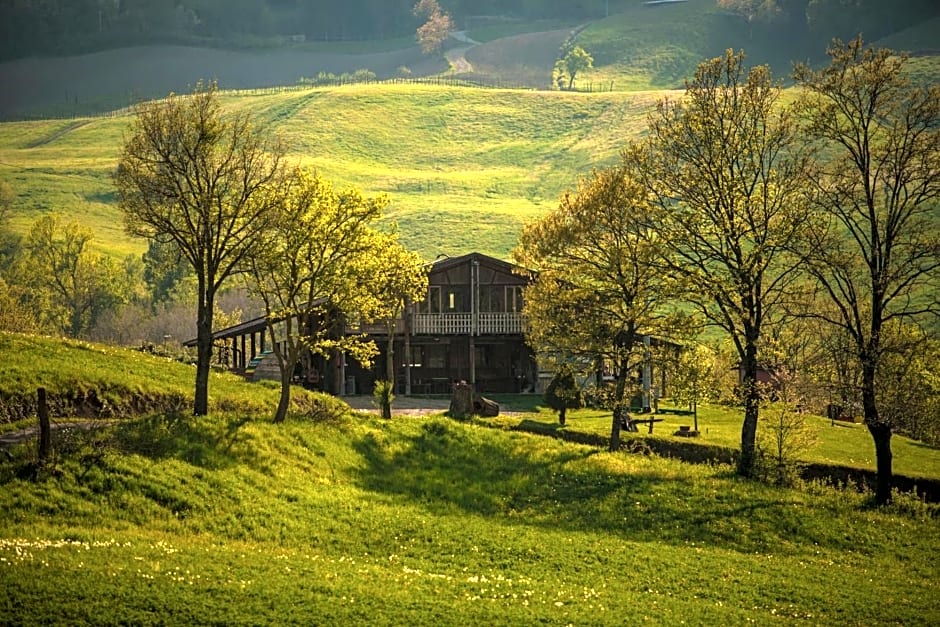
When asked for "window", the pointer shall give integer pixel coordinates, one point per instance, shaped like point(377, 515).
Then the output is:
point(514, 298)
point(432, 302)
point(492, 298)
point(454, 300)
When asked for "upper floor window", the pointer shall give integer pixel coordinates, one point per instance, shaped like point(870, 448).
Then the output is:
point(514, 298)
point(432, 302)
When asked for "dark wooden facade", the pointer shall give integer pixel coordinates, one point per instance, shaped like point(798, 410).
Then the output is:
point(469, 328)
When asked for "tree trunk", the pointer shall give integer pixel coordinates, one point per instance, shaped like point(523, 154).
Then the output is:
point(390, 357)
point(880, 433)
point(561, 415)
point(619, 409)
point(283, 402)
point(203, 354)
point(751, 409)
point(45, 429)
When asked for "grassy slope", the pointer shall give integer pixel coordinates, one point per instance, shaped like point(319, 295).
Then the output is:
point(230, 519)
point(841, 443)
point(464, 168)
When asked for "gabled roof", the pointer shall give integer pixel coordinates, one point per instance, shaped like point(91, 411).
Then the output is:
point(452, 262)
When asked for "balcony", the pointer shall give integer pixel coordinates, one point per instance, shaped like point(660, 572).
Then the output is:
point(462, 324)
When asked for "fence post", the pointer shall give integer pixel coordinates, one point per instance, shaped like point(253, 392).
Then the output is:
point(45, 432)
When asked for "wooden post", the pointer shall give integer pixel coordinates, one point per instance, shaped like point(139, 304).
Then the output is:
point(45, 431)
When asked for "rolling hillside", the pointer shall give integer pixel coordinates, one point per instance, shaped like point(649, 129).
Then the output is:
point(339, 517)
point(463, 167)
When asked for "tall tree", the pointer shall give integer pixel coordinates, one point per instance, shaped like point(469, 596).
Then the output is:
point(72, 285)
point(436, 29)
point(722, 167)
point(204, 181)
point(318, 269)
point(596, 288)
point(873, 245)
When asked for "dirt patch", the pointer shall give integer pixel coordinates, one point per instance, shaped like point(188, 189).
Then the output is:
point(403, 405)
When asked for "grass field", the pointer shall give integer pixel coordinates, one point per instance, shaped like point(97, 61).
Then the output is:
point(419, 520)
point(463, 167)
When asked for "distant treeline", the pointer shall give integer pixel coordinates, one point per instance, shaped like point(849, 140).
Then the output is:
point(43, 27)
point(30, 27)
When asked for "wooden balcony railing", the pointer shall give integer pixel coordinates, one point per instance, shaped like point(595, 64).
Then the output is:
point(462, 324)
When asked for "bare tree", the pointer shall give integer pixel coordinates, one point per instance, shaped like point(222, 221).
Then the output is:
point(873, 246)
point(190, 176)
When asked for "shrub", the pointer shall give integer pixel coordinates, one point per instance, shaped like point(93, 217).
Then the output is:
point(563, 392)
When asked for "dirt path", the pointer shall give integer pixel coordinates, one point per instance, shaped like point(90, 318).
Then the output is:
point(456, 57)
point(68, 128)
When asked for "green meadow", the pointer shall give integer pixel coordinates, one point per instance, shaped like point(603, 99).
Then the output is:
point(339, 517)
point(463, 168)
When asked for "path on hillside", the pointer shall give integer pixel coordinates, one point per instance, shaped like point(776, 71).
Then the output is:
point(456, 57)
point(68, 128)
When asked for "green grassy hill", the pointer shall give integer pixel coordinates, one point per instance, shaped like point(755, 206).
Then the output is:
point(464, 168)
point(346, 518)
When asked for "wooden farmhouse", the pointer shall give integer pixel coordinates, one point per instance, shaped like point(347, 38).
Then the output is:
point(469, 327)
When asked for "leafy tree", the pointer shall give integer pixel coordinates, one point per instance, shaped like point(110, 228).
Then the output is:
point(395, 276)
point(873, 245)
point(436, 29)
point(318, 269)
point(574, 60)
point(596, 289)
point(691, 380)
point(204, 182)
point(563, 392)
point(723, 170)
point(165, 269)
point(73, 284)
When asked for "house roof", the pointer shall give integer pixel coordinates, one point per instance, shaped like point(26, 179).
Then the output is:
point(447, 263)
point(243, 328)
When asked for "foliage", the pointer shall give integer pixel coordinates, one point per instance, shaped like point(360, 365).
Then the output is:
point(563, 392)
point(725, 174)
point(752, 10)
point(384, 396)
point(436, 29)
point(308, 270)
point(873, 244)
point(908, 389)
point(69, 286)
point(391, 277)
point(574, 59)
point(785, 433)
point(204, 182)
point(595, 289)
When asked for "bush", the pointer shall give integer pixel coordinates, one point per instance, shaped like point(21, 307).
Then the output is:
point(563, 392)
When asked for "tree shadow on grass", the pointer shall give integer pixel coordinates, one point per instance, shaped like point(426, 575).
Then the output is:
point(203, 442)
point(447, 467)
